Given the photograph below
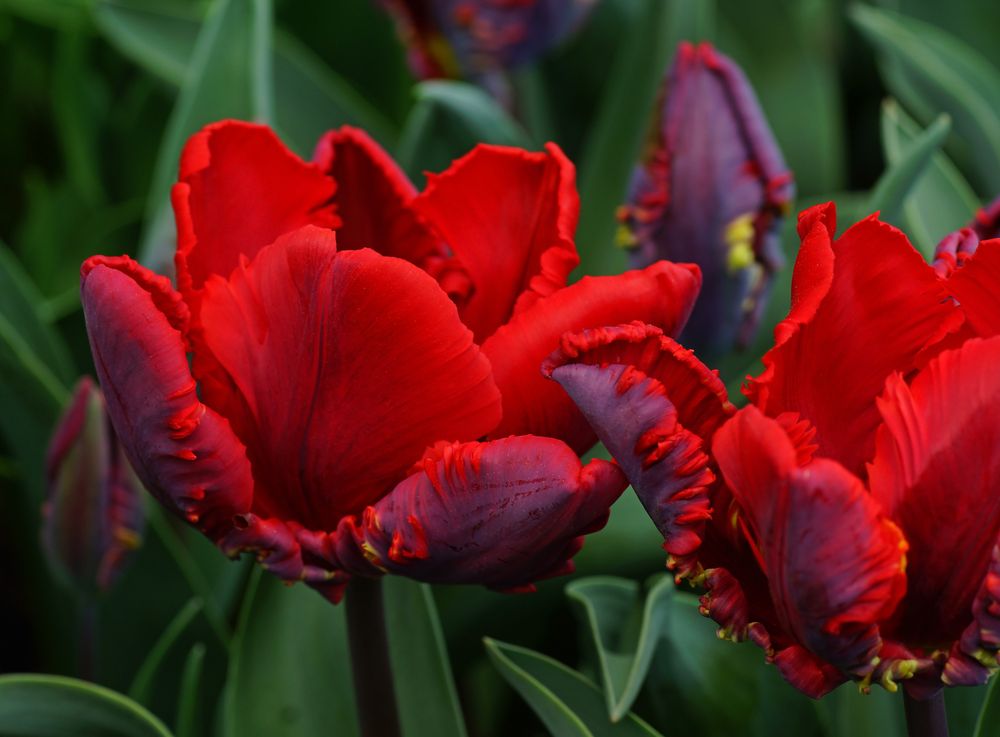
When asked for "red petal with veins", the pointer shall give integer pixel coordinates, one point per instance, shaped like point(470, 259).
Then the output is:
point(185, 453)
point(661, 295)
point(834, 564)
point(239, 189)
point(373, 199)
point(975, 286)
point(346, 366)
point(847, 331)
point(504, 514)
point(509, 217)
point(936, 470)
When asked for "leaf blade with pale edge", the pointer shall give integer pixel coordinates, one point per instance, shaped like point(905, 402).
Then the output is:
point(425, 689)
point(289, 674)
point(607, 605)
point(942, 200)
point(943, 74)
point(568, 704)
point(53, 706)
point(899, 179)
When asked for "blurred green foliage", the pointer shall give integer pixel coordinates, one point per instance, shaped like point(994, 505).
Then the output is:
point(99, 96)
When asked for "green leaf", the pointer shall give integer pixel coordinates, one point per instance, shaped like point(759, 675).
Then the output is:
point(142, 684)
point(945, 75)
point(448, 119)
point(289, 674)
point(989, 714)
point(425, 687)
point(941, 200)
point(625, 631)
point(158, 35)
point(901, 177)
point(568, 704)
point(852, 714)
point(53, 706)
point(187, 704)
point(228, 77)
point(613, 145)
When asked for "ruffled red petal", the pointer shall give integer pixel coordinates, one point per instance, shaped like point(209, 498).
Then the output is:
point(661, 295)
point(185, 453)
point(240, 188)
point(508, 216)
point(503, 514)
point(346, 366)
point(861, 308)
point(834, 564)
point(976, 286)
point(654, 406)
point(373, 199)
point(935, 473)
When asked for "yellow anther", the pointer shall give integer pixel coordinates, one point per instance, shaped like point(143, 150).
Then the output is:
point(739, 237)
point(624, 237)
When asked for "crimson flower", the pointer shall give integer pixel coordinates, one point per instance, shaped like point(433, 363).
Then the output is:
point(349, 411)
point(847, 520)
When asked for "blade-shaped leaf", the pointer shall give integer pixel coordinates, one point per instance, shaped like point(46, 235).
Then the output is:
point(425, 688)
point(290, 672)
point(613, 145)
point(448, 119)
point(142, 683)
point(53, 706)
point(941, 200)
point(947, 76)
point(228, 77)
point(187, 705)
point(568, 704)
point(989, 714)
point(625, 630)
point(901, 177)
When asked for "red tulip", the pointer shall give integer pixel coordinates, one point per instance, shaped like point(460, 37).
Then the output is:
point(349, 411)
point(847, 521)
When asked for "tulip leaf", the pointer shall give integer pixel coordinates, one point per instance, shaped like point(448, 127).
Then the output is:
point(989, 714)
point(187, 704)
point(425, 688)
point(569, 704)
point(852, 714)
point(448, 119)
point(141, 688)
point(901, 177)
point(309, 97)
point(941, 200)
point(944, 75)
point(613, 144)
point(229, 76)
point(625, 631)
point(53, 706)
point(289, 674)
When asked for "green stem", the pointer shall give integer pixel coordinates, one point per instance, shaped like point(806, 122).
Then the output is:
point(87, 643)
point(926, 718)
point(374, 691)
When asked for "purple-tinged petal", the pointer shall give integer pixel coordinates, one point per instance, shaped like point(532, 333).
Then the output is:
point(185, 454)
point(503, 514)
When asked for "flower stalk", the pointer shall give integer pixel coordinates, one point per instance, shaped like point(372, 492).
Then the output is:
point(374, 690)
point(926, 718)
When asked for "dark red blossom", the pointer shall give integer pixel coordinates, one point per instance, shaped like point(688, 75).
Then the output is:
point(847, 521)
point(363, 394)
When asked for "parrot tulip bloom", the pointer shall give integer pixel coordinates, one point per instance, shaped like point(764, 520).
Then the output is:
point(847, 520)
point(92, 519)
point(451, 38)
point(713, 189)
point(349, 411)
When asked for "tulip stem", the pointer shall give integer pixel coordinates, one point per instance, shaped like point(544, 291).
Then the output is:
point(374, 690)
point(926, 718)
point(86, 648)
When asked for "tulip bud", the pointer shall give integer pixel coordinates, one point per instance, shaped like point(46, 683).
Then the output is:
point(712, 189)
point(452, 38)
point(92, 517)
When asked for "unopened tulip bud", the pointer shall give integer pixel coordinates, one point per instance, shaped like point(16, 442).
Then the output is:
point(712, 189)
point(92, 517)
